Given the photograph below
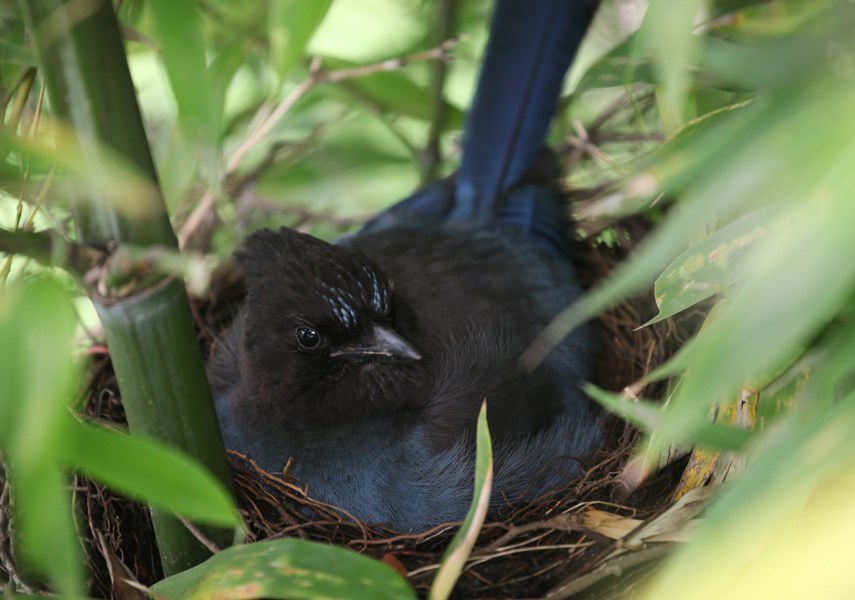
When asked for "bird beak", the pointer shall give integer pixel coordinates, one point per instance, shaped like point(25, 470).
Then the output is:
point(383, 343)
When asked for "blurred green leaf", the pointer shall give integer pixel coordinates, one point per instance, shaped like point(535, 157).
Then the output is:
point(45, 529)
point(178, 30)
point(151, 472)
point(37, 322)
point(11, 52)
point(763, 64)
point(785, 530)
point(291, 25)
point(668, 32)
point(777, 310)
point(460, 548)
point(58, 146)
point(649, 416)
point(286, 568)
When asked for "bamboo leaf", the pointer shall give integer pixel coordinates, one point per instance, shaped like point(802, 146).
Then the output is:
point(151, 472)
point(178, 29)
point(708, 267)
point(37, 323)
point(461, 546)
point(289, 569)
point(653, 417)
point(784, 531)
point(131, 193)
point(667, 31)
point(776, 311)
point(292, 24)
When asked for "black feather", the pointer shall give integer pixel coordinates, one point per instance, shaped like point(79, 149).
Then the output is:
point(423, 315)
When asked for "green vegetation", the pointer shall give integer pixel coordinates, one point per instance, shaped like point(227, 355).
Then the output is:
point(290, 112)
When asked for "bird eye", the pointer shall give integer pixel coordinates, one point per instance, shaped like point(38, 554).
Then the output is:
point(307, 337)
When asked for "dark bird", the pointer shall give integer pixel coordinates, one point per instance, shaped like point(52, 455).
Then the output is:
point(367, 361)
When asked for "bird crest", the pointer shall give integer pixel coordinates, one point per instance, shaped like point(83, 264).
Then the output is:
point(326, 281)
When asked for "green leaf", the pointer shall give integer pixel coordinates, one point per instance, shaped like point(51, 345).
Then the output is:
point(37, 322)
point(46, 529)
point(708, 267)
point(394, 92)
point(650, 416)
point(795, 289)
point(784, 530)
point(178, 29)
point(292, 24)
point(129, 191)
point(668, 32)
point(151, 472)
point(461, 546)
point(19, 54)
point(287, 568)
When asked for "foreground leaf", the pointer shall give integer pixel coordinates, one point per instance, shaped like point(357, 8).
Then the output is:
point(785, 531)
point(152, 472)
point(461, 546)
point(36, 375)
point(287, 568)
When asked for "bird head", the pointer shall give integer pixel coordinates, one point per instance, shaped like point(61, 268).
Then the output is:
point(320, 321)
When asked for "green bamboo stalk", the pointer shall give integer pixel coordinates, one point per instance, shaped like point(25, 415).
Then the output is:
point(84, 67)
point(150, 333)
point(162, 370)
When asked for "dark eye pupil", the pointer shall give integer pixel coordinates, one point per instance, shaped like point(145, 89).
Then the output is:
point(308, 337)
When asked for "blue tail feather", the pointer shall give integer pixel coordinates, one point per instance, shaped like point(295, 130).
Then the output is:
point(532, 45)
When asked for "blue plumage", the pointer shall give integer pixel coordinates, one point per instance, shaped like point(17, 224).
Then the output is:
point(367, 361)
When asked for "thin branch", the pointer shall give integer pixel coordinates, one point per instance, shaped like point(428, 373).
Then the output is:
point(583, 140)
point(306, 216)
point(384, 115)
point(128, 263)
point(442, 52)
point(50, 248)
point(639, 102)
point(431, 157)
point(273, 118)
point(316, 77)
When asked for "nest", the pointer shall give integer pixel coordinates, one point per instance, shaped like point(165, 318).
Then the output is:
point(525, 550)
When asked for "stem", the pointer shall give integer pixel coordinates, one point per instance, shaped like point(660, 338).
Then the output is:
point(150, 332)
point(153, 334)
point(87, 76)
